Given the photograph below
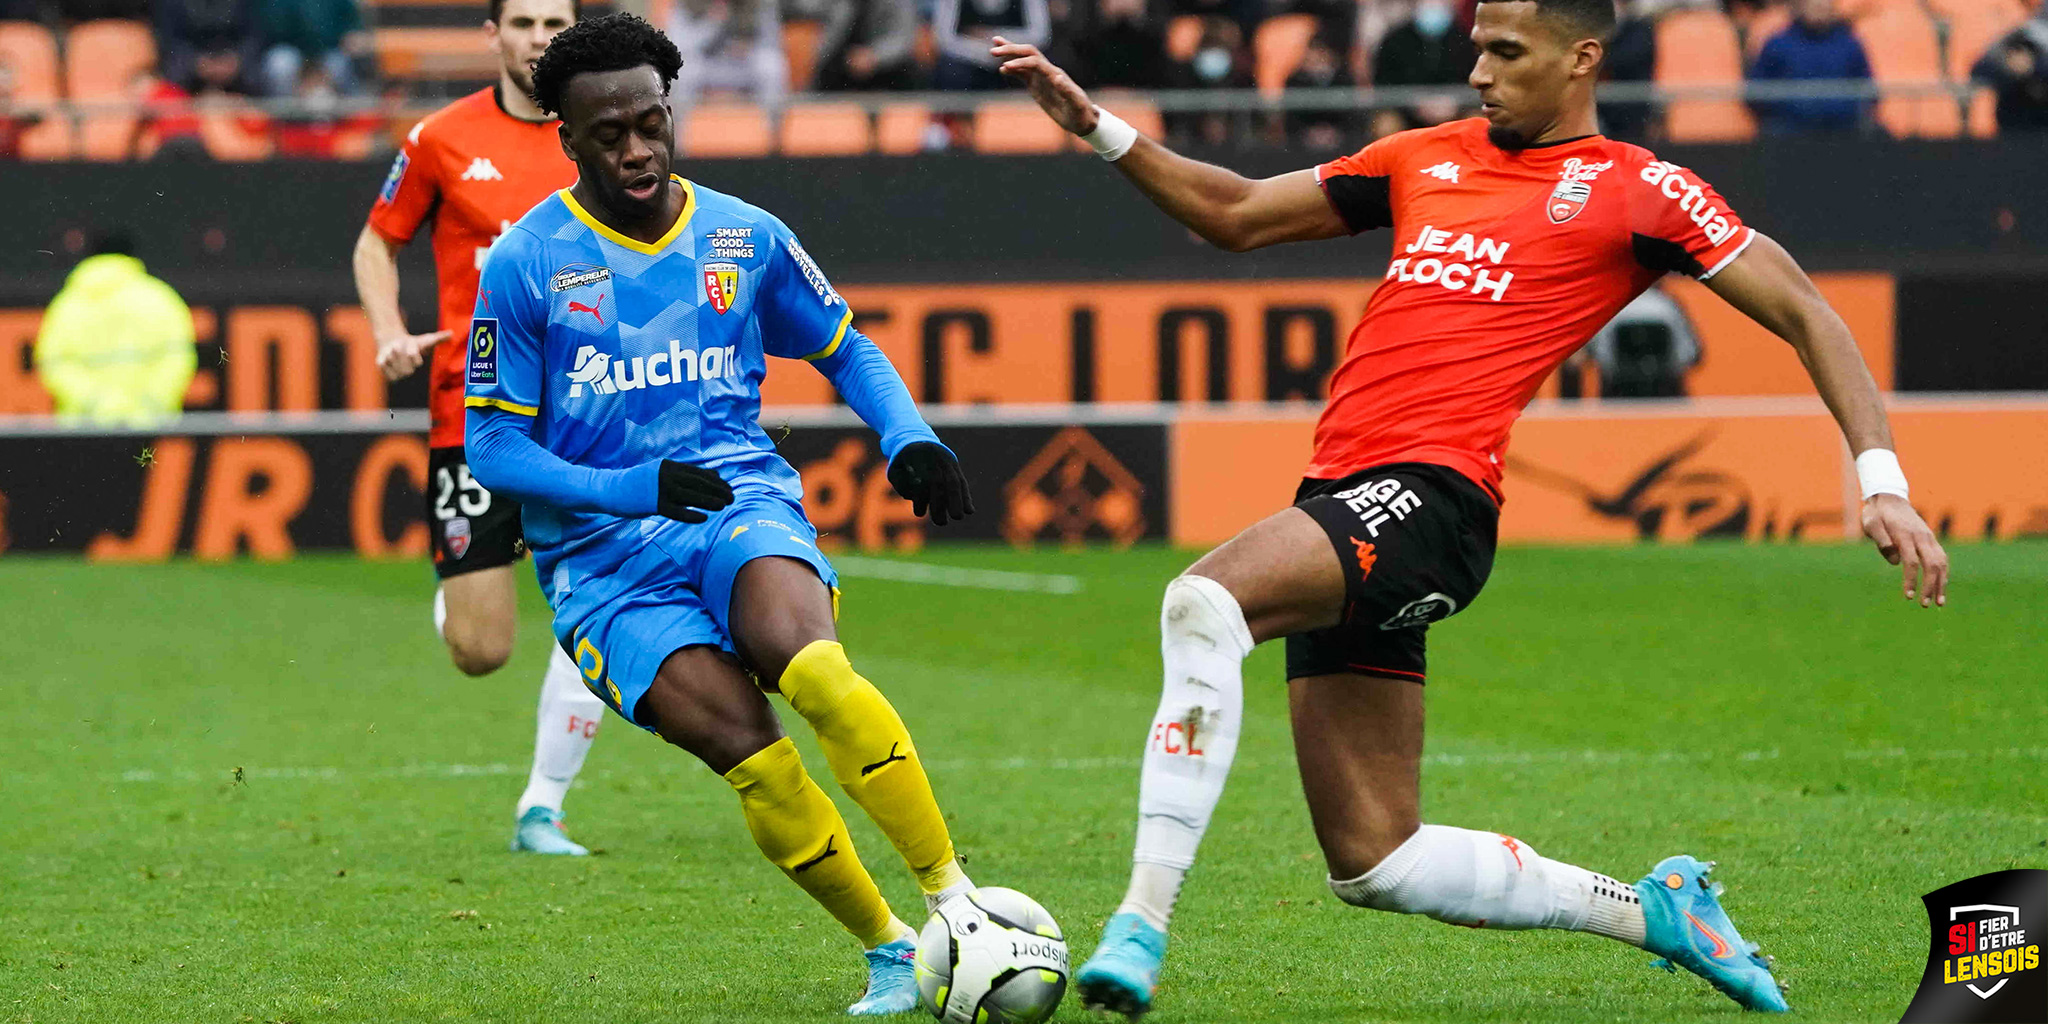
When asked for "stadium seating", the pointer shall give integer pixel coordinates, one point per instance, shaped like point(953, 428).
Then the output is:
point(825, 129)
point(1005, 127)
point(234, 134)
point(1277, 49)
point(900, 128)
point(726, 130)
point(31, 51)
point(1904, 50)
point(1760, 27)
point(800, 51)
point(101, 60)
point(1973, 26)
point(1183, 35)
point(1698, 47)
point(427, 53)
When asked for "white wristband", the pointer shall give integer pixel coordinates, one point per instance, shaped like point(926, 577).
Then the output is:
point(1113, 136)
point(1879, 473)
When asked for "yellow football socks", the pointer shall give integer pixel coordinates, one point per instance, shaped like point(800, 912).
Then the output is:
point(872, 757)
point(798, 829)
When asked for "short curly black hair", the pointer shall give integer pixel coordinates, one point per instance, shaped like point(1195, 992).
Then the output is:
point(614, 42)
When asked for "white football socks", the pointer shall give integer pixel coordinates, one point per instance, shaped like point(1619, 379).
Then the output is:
point(1488, 880)
point(567, 723)
point(1203, 642)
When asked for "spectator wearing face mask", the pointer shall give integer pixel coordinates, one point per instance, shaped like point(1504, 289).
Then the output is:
point(1219, 62)
point(1427, 49)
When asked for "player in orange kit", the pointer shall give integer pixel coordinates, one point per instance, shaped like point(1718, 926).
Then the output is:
point(1516, 236)
point(471, 169)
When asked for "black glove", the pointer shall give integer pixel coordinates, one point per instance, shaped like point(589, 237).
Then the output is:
point(685, 488)
point(930, 477)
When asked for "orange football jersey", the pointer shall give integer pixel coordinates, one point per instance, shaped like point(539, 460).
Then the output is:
point(1504, 263)
point(472, 169)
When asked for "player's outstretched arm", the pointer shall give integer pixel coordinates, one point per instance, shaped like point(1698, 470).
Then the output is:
point(508, 461)
point(1768, 285)
point(921, 469)
point(399, 351)
point(1229, 210)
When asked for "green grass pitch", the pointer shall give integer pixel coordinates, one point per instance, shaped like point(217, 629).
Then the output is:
point(259, 793)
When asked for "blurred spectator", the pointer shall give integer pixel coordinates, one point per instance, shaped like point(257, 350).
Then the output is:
point(13, 123)
point(1427, 49)
point(328, 33)
point(1245, 13)
point(962, 29)
point(116, 344)
point(1120, 43)
point(1631, 57)
point(168, 127)
point(207, 44)
point(729, 46)
point(1817, 45)
point(2017, 67)
point(868, 44)
point(1322, 67)
point(1219, 62)
point(1644, 352)
point(316, 129)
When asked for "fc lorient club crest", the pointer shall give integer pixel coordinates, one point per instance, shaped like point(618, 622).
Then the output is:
point(1574, 188)
point(1983, 958)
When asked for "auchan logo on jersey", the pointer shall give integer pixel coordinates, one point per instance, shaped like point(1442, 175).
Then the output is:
point(604, 375)
point(1692, 199)
point(1458, 268)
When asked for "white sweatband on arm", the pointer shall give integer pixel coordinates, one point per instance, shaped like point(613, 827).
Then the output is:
point(1878, 471)
point(1113, 136)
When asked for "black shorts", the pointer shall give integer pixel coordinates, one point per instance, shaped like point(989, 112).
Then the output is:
point(468, 528)
point(1416, 542)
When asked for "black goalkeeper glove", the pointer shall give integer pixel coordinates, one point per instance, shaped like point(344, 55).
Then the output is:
point(685, 488)
point(929, 475)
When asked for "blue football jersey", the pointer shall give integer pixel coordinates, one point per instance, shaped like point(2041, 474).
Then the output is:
point(625, 352)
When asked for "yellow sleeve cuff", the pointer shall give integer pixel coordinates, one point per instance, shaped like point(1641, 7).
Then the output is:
point(837, 337)
point(476, 402)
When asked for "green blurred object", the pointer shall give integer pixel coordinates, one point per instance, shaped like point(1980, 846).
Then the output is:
point(115, 348)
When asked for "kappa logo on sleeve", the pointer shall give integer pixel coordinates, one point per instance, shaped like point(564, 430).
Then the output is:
point(483, 351)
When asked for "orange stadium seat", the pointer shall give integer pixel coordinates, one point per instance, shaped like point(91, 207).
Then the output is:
point(900, 128)
point(1698, 47)
point(1008, 127)
point(1973, 28)
point(800, 50)
point(1761, 27)
point(1183, 35)
point(102, 59)
point(825, 129)
point(438, 54)
point(726, 130)
point(1277, 49)
point(1904, 50)
point(31, 51)
point(235, 133)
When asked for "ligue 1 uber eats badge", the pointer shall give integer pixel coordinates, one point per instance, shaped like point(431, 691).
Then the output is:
point(1984, 962)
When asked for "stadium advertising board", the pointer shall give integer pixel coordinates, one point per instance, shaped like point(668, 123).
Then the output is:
point(1179, 341)
point(272, 488)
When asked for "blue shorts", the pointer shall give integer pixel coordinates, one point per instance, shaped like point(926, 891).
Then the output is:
point(676, 592)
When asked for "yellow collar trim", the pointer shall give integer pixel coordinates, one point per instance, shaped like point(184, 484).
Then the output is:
point(654, 248)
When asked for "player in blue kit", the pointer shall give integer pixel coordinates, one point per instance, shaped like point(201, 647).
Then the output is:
point(614, 370)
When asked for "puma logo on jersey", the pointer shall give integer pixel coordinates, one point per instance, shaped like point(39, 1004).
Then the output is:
point(605, 375)
point(814, 861)
point(593, 310)
point(1447, 171)
point(481, 169)
point(885, 762)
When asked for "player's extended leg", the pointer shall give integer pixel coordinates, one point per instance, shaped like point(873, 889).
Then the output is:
point(781, 621)
point(702, 701)
point(1277, 577)
point(1358, 740)
point(477, 615)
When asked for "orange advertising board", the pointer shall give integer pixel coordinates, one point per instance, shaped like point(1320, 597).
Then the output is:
point(1590, 472)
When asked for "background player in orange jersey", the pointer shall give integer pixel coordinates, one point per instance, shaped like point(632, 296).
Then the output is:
point(1517, 235)
point(471, 169)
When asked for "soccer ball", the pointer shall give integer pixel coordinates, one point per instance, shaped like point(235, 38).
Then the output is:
point(993, 956)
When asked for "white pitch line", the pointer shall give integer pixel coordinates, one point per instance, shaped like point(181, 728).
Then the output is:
point(859, 567)
point(332, 773)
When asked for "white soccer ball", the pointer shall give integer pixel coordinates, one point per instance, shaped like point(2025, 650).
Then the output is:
point(993, 956)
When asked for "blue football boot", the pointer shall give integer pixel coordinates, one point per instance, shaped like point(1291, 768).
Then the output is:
point(892, 979)
point(1683, 922)
point(1125, 968)
point(540, 831)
